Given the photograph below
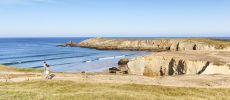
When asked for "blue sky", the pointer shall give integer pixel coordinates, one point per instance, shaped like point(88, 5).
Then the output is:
point(109, 18)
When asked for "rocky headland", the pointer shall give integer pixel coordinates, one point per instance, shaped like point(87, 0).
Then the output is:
point(164, 44)
point(174, 56)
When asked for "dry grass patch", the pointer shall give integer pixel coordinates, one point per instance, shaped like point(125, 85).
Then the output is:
point(69, 90)
point(218, 43)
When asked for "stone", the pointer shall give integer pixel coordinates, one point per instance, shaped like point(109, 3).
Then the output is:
point(69, 44)
point(122, 65)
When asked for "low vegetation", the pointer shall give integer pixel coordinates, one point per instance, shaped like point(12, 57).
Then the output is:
point(219, 43)
point(69, 90)
point(15, 69)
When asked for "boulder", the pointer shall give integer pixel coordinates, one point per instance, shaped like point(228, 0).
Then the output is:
point(69, 44)
point(123, 61)
point(122, 65)
point(137, 66)
point(113, 70)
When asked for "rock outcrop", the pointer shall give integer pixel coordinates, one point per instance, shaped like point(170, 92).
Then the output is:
point(172, 44)
point(69, 44)
point(181, 63)
point(123, 65)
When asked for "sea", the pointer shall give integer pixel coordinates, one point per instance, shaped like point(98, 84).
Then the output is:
point(32, 52)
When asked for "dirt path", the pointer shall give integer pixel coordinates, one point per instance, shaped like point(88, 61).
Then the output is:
point(205, 81)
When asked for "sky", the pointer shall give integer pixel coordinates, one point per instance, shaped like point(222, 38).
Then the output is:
point(114, 18)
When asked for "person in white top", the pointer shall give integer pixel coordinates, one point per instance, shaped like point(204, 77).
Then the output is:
point(46, 69)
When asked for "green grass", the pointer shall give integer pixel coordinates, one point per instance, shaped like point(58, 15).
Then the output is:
point(69, 90)
point(10, 68)
point(26, 69)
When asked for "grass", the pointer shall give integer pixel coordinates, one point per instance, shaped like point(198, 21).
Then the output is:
point(15, 69)
point(26, 70)
point(69, 90)
point(219, 43)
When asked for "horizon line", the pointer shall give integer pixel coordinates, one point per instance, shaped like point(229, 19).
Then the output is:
point(123, 37)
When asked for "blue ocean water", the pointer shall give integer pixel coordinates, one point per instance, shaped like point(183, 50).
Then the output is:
point(31, 52)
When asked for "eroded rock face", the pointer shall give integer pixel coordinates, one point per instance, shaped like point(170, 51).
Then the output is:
point(137, 66)
point(166, 64)
point(147, 44)
point(184, 46)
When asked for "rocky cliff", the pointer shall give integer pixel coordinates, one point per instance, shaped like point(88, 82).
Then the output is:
point(181, 63)
point(180, 57)
point(155, 44)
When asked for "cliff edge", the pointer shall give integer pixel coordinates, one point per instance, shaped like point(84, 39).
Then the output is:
point(181, 63)
point(172, 44)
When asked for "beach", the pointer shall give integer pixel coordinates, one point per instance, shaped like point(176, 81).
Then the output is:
point(29, 84)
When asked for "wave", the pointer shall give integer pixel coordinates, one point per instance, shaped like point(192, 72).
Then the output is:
point(54, 65)
point(33, 56)
point(87, 61)
point(120, 56)
point(104, 58)
point(39, 60)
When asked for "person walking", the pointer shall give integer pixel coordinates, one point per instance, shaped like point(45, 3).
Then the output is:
point(46, 70)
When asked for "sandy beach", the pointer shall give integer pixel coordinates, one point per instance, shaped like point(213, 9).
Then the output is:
point(201, 81)
point(101, 84)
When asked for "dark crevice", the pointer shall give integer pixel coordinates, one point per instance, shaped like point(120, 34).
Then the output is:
point(171, 67)
point(194, 47)
point(204, 67)
point(177, 47)
point(181, 68)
